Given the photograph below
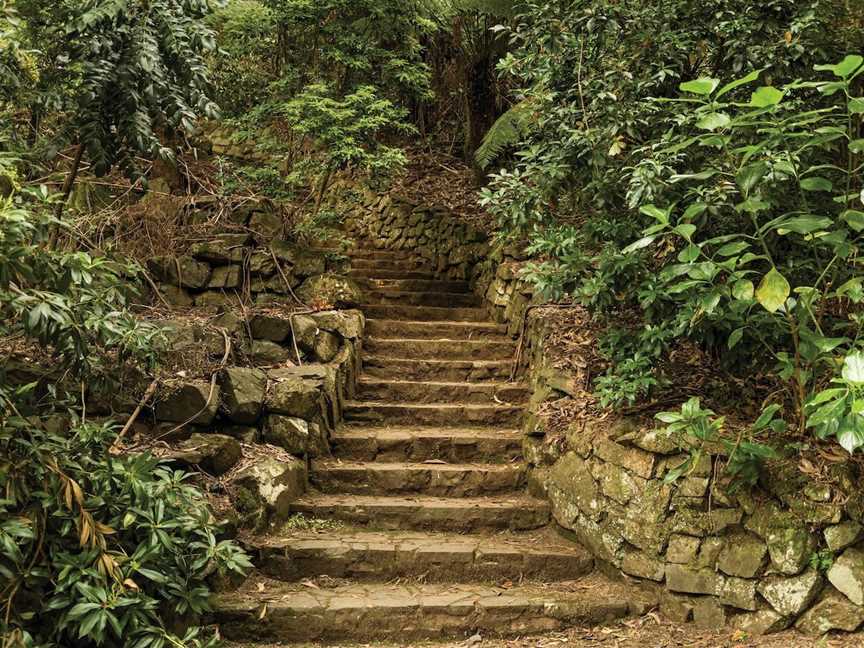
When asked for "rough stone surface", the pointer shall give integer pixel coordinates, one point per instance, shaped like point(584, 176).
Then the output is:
point(761, 622)
point(268, 487)
point(270, 327)
point(637, 461)
point(243, 391)
point(636, 563)
point(295, 435)
point(742, 555)
point(709, 614)
point(682, 549)
point(738, 592)
point(330, 289)
point(264, 352)
point(847, 575)
point(833, 612)
point(213, 453)
point(183, 271)
point(188, 402)
point(572, 490)
point(791, 595)
point(691, 581)
point(790, 549)
point(295, 396)
point(840, 536)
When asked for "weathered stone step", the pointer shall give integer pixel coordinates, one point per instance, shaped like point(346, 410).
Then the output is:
point(441, 349)
point(439, 299)
point(273, 611)
point(387, 367)
point(424, 313)
point(437, 557)
point(403, 391)
point(436, 330)
point(456, 445)
point(391, 274)
point(432, 479)
point(452, 414)
point(373, 254)
point(417, 285)
point(464, 514)
point(409, 264)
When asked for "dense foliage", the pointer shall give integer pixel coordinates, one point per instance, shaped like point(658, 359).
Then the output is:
point(693, 170)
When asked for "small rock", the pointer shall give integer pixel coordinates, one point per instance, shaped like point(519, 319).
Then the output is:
point(189, 401)
point(843, 535)
point(264, 352)
point(270, 327)
point(738, 592)
point(691, 581)
point(833, 612)
point(331, 289)
point(243, 433)
point(175, 296)
point(243, 392)
point(641, 565)
point(182, 271)
point(228, 248)
point(309, 264)
point(761, 622)
point(225, 277)
point(214, 453)
point(709, 614)
point(847, 575)
point(791, 596)
point(682, 549)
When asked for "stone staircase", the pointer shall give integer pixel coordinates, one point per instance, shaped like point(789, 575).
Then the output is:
point(434, 535)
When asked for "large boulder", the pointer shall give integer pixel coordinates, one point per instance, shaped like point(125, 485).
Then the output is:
point(243, 392)
point(270, 327)
point(295, 435)
point(791, 596)
point(296, 396)
point(742, 555)
point(847, 575)
point(213, 453)
point(267, 488)
point(188, 402)
point(347, 323)
point(181, 271)
point(331, 289)
point(227, 248)
point(264, 352)
point(833, 612)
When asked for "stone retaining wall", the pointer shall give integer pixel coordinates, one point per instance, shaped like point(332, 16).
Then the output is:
point(785, 553)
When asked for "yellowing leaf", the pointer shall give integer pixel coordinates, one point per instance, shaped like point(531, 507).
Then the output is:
point(773, 291)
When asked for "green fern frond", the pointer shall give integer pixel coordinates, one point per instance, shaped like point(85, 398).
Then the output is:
point(507, 131)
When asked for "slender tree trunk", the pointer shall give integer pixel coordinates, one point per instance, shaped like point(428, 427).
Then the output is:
point(68, 185)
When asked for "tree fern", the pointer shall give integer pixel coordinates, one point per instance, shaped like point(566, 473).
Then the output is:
point(507, 131)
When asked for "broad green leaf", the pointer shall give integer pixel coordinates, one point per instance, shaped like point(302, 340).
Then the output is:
point(853, 368)
point(854, 218)
point(733, 248)
point(856, 105)
point(765, 97)
point(704, 86)
point(749, 176)
point(804, 225)
point(844, 68)
point(702, 175)
point(729, 87)
point(689, 254)
point(714, 121)
point(735, 338)
point(694, 210)
point(743, 290)
point(686, 230)
point(857, 146)
point(766, 416)
point(773, 291)
point(655, 212)
point(816, 184)
point(638, 245)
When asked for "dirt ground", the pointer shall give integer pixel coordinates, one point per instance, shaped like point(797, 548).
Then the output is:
point(646, 632)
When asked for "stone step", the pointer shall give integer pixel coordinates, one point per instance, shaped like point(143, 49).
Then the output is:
point(387, 367)
point(441, 349)
point(417, 285)
point(403, 391)
point(432, 479)
point(445, 415)
point(409, 264)
point(266, 610)
point(439, 299)
point(436, 330)
point(391, 274)
point(456, 445)
point(462, 514)
point(373, 254)
point(424, 313)
point(437, 557)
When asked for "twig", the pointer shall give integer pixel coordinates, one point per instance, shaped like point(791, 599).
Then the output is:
point(146, 397)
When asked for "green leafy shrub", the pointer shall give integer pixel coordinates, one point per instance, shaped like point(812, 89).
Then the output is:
point(95, 548)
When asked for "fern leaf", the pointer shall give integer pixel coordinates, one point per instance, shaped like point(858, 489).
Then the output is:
point(507, 131)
